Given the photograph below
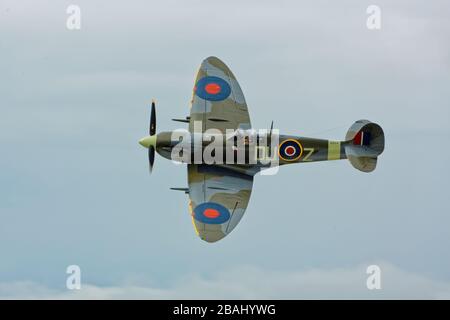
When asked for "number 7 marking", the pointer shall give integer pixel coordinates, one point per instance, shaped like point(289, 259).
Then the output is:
point(310, 152)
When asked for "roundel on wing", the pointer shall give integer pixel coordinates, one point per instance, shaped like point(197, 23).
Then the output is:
point(211, 213)
point(290, 150)
point(212, 88)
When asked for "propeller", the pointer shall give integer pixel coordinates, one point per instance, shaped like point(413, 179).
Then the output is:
point(151, 132)
point(152, 129)
point(151, 158)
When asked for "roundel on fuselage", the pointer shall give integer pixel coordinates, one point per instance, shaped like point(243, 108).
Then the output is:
point(290, 150)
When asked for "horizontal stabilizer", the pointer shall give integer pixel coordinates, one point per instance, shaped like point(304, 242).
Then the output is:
point(360, 151)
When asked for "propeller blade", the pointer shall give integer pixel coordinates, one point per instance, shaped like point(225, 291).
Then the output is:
point(152, 129)
point(151, 158)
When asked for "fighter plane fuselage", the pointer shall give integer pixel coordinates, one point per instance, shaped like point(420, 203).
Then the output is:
point(289, 149)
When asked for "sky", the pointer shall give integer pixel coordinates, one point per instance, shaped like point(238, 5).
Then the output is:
point(74, 182)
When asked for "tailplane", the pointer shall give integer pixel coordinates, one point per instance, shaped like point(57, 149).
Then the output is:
point(364, 142)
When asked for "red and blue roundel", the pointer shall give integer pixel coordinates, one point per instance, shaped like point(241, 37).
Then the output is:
point(211, 213)
point(290, 150)
point(212, 88)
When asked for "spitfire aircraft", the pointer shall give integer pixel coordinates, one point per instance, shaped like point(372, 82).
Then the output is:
point(219, 192)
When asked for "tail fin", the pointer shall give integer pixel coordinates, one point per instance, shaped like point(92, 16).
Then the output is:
point(364, 143)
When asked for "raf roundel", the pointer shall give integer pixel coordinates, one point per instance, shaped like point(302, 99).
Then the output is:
point(211, 213)
point(212, 88)
point(290, 150)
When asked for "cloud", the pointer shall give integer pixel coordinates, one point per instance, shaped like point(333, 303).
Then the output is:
point(249, 282)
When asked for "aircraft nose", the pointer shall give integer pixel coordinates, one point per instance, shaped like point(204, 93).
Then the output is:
point(148, 141)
